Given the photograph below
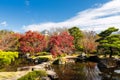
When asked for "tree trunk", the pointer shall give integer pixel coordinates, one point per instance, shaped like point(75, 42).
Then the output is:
point(111, 52)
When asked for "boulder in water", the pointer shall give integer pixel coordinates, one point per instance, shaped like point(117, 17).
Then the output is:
point(52, 75)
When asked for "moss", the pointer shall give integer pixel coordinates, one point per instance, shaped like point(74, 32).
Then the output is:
point(45, 56)
point(34, 75)
point(43, 53)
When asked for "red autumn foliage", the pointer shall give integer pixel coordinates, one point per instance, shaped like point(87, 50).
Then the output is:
point(32, 42)
point(62, 43)
point(10, 42)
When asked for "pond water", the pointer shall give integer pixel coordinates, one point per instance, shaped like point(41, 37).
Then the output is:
point(82, 71)
point(74, 71)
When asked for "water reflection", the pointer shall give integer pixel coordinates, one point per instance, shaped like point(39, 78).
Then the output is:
point(81, 71)
point(92, 71)
point(77, 71)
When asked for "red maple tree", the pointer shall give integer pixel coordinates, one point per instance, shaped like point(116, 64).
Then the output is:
point(32, 42)
point(62, 43)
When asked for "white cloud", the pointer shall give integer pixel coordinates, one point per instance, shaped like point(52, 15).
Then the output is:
point(4, 23)
point(100, 18)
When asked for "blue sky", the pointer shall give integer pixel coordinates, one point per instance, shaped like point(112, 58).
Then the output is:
point(37, 15)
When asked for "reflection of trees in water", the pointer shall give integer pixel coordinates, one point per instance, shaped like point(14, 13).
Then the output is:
point(70, 71)
point(82, 71)
point(77, 71)
point(92, 71)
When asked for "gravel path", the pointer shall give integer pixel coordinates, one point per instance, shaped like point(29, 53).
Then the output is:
point(12, 75)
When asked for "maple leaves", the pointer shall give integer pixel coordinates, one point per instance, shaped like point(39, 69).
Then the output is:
point(9, 42)
point(32, 42)
point(62, 43)
point(57, 44)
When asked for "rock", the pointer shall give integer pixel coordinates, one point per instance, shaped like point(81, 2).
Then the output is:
point(40, 60)
point(52, 75)
point(80, 58)
point(57, 61)
point(118, 62)
point(41, 66)
point(38, 67)
point(107, 65)
point(70, 61)
point(45, 78)
point(117, 71)
point(101, 66)
point(26, 68)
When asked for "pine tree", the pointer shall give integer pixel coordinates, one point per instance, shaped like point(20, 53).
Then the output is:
point(108, 42)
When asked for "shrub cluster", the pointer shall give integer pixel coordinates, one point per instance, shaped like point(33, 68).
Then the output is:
point(7, 57)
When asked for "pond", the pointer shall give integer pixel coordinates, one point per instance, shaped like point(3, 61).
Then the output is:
point(82, 71)
point(74, 71)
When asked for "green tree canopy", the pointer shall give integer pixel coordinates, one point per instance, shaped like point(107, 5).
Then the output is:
point(77, 34)
point(109, 42)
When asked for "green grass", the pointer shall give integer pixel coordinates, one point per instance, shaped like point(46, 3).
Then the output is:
point(34, 75)
point(44, 56)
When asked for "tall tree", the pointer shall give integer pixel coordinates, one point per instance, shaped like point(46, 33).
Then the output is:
point(109, 42)
point(32, 42)
point(77, 34)
point(9, 40)
point(61, 43)
point(88, 42)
